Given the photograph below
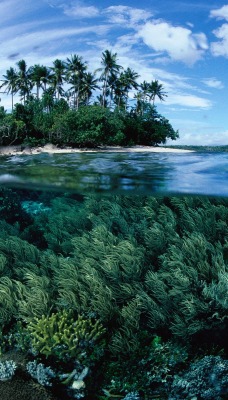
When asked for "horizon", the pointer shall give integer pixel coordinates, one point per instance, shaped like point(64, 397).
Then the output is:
point(184, 47)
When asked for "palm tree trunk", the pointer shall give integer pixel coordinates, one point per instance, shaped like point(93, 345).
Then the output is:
point(77, 105)
point(104, 89)
point(126, 100)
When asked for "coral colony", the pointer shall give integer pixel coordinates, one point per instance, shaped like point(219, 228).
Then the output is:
point(7, 370)
point(115, 297)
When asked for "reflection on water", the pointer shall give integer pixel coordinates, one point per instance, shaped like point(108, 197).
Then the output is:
point(151, 173)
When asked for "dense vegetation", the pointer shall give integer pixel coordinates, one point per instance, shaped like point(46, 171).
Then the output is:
point(146, 276)
point(72, 106)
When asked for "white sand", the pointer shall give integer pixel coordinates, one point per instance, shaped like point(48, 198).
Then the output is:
point(52, 149)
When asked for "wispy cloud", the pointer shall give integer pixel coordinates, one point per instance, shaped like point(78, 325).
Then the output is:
point(199, 133)
point(213, 83)
point(126, 15)
point(180, 43)
point(13, 9)
point(81, 11)
point(28, 41)
point(188, 100)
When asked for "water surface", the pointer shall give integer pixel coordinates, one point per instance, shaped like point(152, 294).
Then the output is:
point(150, 173)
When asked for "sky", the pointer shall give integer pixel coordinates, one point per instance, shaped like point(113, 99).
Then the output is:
point(182, 44)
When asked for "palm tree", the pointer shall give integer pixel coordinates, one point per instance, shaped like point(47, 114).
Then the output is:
point(100, 101)
point(144, 86)
point(156, 90)
point(48, 99)
point(89, 84)
point(23, 80)
point(120, 93)
point(39, 75)
point(129, 81)
point(10, 82)
point(58, 76)
point(110, 66)
point(75, 73)
point(139, 96)
point(143, 95)
point(112, 85)
point(46, 78)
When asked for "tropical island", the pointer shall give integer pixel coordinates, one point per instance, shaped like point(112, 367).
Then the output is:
point(68, 106)
point(105, 296)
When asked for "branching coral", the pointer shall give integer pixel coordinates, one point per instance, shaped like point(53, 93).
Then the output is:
point(7, 370)
point(63, 337)
point(42, 374)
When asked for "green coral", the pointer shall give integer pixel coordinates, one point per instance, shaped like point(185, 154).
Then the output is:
point(63, 337)
point(151, 367)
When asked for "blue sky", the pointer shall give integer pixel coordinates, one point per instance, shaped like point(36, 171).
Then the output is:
point(183, 44)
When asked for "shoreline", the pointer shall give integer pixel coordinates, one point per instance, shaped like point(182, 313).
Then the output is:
point(52, 149)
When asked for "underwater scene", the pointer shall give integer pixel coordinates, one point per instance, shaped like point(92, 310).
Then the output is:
point(117, 289)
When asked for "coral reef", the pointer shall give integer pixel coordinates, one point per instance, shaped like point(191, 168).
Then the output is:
point(145, 371)
point(75, 381)
point(132, 396)
point(63, 337)
point(205, 379)
point(23, 389)
point(7, 370)
point(41, 373)
point(142, 277)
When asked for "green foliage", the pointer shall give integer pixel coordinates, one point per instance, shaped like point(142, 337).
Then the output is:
point(107, 124)
point(154, 129)
point(62, 337)
point(90, 126)
point(2, 113)
point(12, 131)
point(93, 126)
point(30, 123)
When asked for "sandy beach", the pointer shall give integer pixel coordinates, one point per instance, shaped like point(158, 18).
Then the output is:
point(52, 149)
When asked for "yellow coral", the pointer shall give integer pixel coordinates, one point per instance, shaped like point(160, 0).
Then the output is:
point(60, 335)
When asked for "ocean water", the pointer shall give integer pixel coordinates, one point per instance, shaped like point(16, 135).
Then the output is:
point(114, 276)
point(126, 173)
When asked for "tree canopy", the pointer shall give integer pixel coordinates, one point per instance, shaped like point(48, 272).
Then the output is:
point(67, 104)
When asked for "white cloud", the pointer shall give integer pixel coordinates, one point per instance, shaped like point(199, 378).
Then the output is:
point(204, 139)
point(220, 13)
point(213, 83)
point(188, 100)
point(28, 41)
point(126, 15)
point(220, 48)
point(13, 9)
point(178, 42)
point(80, 11)
point(198, 133)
